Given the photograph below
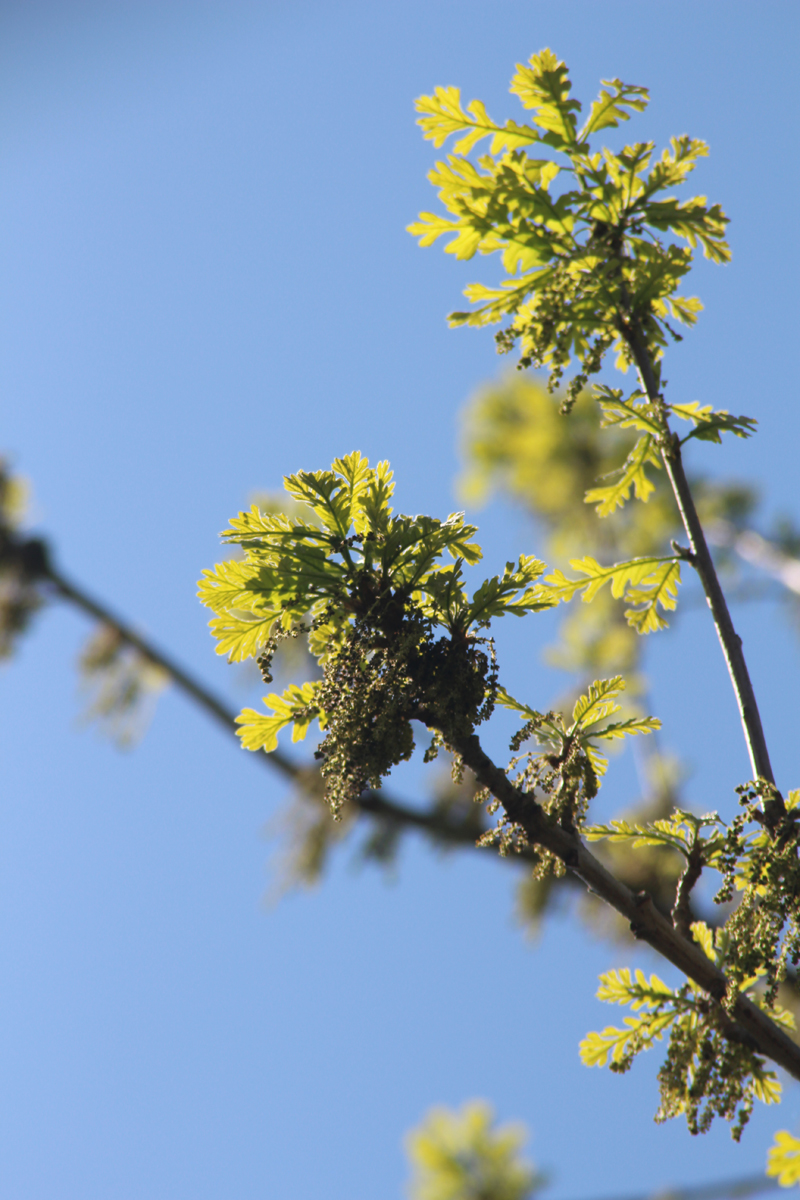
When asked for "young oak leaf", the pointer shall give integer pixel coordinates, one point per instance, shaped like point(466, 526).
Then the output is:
point(660, 588)
point(501, 593)
point(632, 474)
point(610, 106)
point(597, 703)
point(544, 86)
point(443, 115)
point(507, 701)
point(647, 581)
point(239, 637)
point(710, 423)
point(374, 502)
point(595, 706)
point(677, 832)
point(259, 731)
point(766, 1087)
point(229, 585)
point(622, 1044)
point(657, 1005)
point(783, 1159)
point(618, 987)
point(634, 413)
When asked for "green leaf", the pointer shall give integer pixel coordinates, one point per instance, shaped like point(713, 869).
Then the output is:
point(595, 706)
point(633, 725)
point(239, 637)
point(647, 581)
point(374, 502)
point(597, 703)
point(506, 701)
point(710, 423)
point(633, 413)
point(783, 1159)
point(619, 987)
point(704, 938)
point(443, 116)
point(327, 496)
point(684, 308)
point(355, 470)
point(650, 998)
point(430, 227)
point(500, 594)
point(660, 588)
point(441, 596)
point(620, 1044)
point(692, 219)
point(631, 474)
point(766, 1087)
point(544, 86)
point(678, 832)
point(259, 731)
point(228, 585)
point(610, 107)
point(596, 757)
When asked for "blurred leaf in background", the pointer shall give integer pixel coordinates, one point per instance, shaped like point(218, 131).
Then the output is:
point(464, 1155)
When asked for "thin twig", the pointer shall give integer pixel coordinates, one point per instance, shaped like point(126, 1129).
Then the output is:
point(682, 911)
point(759, 551)
point(700, 558)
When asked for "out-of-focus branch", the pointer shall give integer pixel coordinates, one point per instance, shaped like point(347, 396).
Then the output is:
point(64, 589)
point(758, 551)
point(732, 1189)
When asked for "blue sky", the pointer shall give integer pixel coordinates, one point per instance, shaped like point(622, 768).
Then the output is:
point(208, 286)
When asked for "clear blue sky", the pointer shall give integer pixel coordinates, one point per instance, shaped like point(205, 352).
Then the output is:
point(208, 284)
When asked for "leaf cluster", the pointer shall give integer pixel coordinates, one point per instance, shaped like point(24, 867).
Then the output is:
point(586, 235)
point(711, 1069)
point(589, 724)
point(462, 1156)
point(760, 860)
point(707, 1071)
point(680, 831)
point(566, 777)
point(394, 629)
point(350, 557)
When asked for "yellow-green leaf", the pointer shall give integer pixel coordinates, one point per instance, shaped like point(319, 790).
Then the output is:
point(783, 1159)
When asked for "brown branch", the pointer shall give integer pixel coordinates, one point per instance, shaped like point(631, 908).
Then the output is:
point(646, 922)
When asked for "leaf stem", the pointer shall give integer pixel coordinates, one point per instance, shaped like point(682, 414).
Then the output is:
point(682, 911)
